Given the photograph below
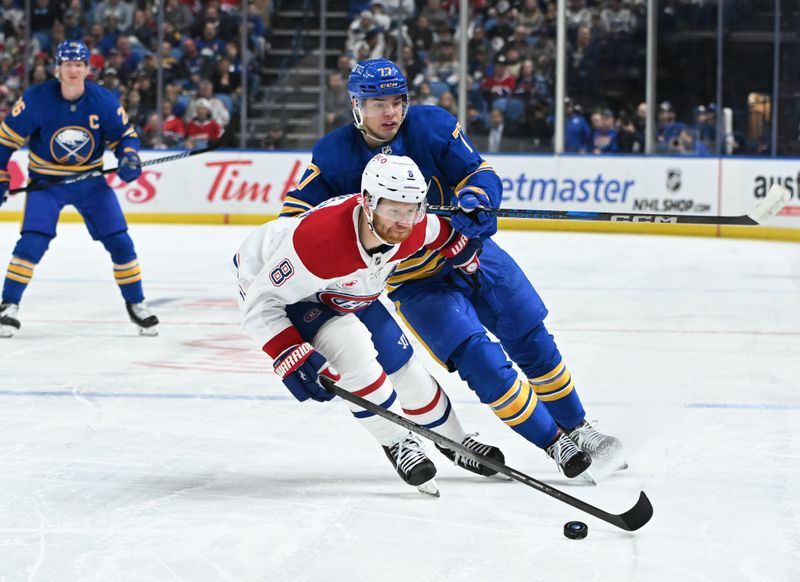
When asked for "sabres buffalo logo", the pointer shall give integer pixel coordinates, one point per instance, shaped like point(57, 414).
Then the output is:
point(71, 146)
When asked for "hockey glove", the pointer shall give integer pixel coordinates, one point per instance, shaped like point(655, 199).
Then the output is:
point(4, 182)
point(462, 253)
point(300, 366)
point(471, 220)
point(130, 166)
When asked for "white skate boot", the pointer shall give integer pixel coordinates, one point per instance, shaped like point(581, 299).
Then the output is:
point(604, 449)
point(142, 318)
point(570, 459)
point(9, 322)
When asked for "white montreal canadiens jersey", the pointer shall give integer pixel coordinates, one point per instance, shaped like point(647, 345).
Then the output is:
point(317, 257)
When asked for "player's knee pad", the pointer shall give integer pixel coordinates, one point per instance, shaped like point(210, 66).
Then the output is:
point(347, 345)
point(32, 246)
point(536, 352)
point(414, 384)
point(483, 365)
point(120, 247)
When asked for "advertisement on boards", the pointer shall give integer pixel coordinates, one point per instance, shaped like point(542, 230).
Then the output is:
point(746, 182)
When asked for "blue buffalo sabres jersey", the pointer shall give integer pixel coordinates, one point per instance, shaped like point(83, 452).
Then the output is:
point(432, 138)
point(66, 137)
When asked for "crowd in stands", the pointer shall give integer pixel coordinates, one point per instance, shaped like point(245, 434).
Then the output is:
point(511, 70)
point(201, 58)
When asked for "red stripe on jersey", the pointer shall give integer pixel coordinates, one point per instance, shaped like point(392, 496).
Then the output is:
point(372, 387)
point(444, 233)
point(430, 406)
point(327, 242)
point(282, 342)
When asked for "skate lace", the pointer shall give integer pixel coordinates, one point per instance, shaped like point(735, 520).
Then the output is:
point(473, 446)
point(408, 453)
point(140, 310)
point(563, 450)
point(589, 438)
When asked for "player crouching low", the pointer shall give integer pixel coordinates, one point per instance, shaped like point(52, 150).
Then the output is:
point(68, 123)
point(307, 286)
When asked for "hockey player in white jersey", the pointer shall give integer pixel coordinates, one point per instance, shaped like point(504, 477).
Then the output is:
point(306, 284)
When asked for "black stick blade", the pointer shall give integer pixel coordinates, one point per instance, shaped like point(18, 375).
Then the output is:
point(636, 516)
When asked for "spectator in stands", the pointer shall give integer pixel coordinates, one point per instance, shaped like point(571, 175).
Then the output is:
point(705, 127)
point(476, 123)
point(578, 14)
point(422, 36)
point(134, 109)
point(668, 127)
point(357, 31)
point(436, 15)
point(447, 101)
point(275, 138)
point(39, 75)
point(498, 131)
point(226, 78)
point(686, 143)
point(537, 124)
point(121, 11)
point(202, 129)
point(500, 84)
point(173, 130)
point(443, 67)
point(382, 21)
point(225, 24)
point(178, 15)
point(338, 109)
point(143, 30)
point(530, 17)
point(376, 43)
point(629, 138)
point(604, 134)
point(343, 65)
point(577, 133)
point(210, 44)
point(205, 94)
point(192, 66)
point(584, 63)
point(617, 19)
point(399, 10)
point(424, 95)
point(12, 12)
point(73, 27)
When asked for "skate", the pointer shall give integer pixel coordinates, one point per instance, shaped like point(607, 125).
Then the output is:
point(466, 463)
point(9, 323)
point(570, 459)
point(413, 466)
point(604, 449)
point(142, 318)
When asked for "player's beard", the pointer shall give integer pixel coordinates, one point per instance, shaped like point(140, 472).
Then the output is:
point(391, 232)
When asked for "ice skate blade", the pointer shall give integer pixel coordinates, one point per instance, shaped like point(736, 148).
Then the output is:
point(429, 488)
point(588, 477)
point(148, 331)
point(7, 330)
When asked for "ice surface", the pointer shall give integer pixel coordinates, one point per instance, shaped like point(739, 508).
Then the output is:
point(182, 457)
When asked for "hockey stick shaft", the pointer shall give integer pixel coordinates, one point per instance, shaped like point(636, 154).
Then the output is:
point(631, 520)
point(96, 173)
point(771, 205)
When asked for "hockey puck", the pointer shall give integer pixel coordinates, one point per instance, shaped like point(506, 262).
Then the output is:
point(576, 530)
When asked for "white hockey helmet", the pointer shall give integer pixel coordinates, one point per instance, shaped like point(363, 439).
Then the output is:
point(395, 178)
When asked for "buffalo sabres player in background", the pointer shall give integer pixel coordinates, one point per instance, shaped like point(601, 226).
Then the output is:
point(308, 286)
point(447, 309)
point(68, 123)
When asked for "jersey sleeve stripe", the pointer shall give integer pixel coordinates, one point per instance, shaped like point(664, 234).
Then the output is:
point(483, 167)
point(11, 135)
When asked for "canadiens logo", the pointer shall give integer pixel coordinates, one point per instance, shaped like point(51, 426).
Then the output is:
point(72, 145)
point(344, 303)
point(311, 314)
point(349, 284)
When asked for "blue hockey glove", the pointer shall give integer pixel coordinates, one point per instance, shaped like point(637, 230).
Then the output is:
point(300, 366)
point(130, 166)
point(4, 182)
point(462, 253)
point(470, 220)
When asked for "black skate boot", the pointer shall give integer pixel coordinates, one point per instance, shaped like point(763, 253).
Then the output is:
point(412, 464)
point(9, 324)
point(604, 449)
point(142, 318)
point(570, 459)
point(466, 463)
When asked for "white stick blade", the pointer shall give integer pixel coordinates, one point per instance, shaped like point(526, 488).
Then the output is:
point(776, 199)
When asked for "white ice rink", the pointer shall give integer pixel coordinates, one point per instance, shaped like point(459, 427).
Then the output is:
point(183, 458)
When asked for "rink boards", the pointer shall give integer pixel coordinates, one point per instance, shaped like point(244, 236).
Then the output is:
point(248, 187)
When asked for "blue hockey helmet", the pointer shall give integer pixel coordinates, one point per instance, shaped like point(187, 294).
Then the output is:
point(72, 50)
point(375, 78)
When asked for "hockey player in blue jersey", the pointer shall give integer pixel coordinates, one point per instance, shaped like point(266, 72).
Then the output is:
point(68, 123)
point(449, 310)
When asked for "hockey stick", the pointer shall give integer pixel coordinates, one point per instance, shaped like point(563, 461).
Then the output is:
point(96, 173)
point(775, 200)
point(631, 520)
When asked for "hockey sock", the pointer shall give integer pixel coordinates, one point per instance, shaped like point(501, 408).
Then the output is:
point(129, 278)
point(519, 408)
point(557, 391)
point(18, 276)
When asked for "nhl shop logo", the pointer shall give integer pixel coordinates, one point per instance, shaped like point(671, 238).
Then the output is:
point(673, 179)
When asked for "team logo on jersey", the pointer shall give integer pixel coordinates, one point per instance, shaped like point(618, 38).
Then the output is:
point(344, 303)
point(311, 314)
point(349, 284)
point(72, 145)
point(387, 150)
